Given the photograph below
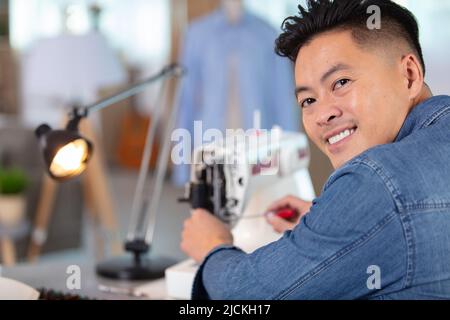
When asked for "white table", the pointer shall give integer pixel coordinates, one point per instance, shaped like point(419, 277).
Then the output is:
point(54, 276)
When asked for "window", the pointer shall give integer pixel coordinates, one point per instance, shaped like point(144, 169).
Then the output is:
point(139, 29)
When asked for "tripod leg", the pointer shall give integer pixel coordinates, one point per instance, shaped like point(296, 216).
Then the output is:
point(8, 252)
point(43, 214)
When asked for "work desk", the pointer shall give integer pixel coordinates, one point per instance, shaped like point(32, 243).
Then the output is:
point(54, 276)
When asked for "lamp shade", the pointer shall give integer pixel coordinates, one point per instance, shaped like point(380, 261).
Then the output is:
point(66, 152)
point(67, 69)
point(70, 65)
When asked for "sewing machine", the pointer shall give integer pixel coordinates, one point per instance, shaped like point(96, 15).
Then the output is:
point(237, 181)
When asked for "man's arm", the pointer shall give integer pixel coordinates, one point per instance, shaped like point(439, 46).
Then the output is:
point(352, 232)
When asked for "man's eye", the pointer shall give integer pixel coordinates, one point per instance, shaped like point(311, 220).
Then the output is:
point(341, 83)
point(307, 102)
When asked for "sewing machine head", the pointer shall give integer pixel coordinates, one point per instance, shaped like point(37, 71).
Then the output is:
point(237, 179)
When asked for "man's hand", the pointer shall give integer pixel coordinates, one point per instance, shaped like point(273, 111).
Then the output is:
point(203, 232)
point(281, 225)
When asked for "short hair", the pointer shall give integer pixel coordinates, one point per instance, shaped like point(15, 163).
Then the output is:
point(320, 16)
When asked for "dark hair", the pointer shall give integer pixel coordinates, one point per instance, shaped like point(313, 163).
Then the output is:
point(326, 15)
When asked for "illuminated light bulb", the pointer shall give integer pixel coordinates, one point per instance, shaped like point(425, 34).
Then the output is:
point(71, 159)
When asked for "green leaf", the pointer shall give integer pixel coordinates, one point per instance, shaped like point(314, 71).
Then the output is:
point(12, 181)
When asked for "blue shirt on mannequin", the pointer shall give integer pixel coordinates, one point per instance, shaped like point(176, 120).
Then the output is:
point(264, 80)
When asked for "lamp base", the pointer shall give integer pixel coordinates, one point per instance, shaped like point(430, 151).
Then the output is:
point(127, 268)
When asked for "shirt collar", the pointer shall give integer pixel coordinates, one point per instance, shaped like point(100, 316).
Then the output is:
point(423, 115)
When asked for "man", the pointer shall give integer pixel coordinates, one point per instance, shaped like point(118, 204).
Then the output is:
point(381, 227)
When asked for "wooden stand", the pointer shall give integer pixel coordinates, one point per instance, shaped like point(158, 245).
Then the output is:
point(8, 252)
point(98, 201)
point(12, 226)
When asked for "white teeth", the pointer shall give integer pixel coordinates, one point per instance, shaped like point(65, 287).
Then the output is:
point(341, 136)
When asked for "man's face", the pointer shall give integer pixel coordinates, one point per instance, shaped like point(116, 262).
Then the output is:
point(352, 99)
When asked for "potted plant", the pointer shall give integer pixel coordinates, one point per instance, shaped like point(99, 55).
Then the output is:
point(13, 183)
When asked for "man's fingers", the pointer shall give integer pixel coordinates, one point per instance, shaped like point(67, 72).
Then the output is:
point(282, 203)
point(202, 232)
point(291, 202)
point(279, 225)
point(199, 213)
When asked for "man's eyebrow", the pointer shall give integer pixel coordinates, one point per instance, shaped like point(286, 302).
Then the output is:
point(301, 89)
point(333, 69)
point(325, 76)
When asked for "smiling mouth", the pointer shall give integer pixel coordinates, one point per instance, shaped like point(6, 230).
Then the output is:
point(334, 140)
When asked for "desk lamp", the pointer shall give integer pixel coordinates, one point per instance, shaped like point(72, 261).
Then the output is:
point(67, 153)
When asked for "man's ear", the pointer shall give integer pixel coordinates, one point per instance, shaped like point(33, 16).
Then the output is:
point(413, 75)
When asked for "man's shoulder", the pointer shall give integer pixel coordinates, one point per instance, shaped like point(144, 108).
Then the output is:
point(364, 168)
point(354, 200)
point(413, 170)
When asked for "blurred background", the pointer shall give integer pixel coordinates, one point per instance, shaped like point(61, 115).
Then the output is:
point(58, 53)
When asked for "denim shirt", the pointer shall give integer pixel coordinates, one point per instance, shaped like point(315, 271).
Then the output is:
point(384, 215)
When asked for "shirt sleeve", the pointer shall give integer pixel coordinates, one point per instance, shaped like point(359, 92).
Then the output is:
point(351, 235)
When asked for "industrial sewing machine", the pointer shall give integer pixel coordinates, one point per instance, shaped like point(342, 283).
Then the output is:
point(236, 182)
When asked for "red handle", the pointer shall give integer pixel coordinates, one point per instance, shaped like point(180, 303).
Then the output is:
point(286, 214)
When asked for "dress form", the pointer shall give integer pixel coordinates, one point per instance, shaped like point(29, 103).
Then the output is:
point(234, 11)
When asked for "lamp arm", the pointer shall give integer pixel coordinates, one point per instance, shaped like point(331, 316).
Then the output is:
point(171, 70)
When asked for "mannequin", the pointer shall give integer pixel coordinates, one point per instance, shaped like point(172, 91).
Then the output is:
point(233, 72)
point(234, 10)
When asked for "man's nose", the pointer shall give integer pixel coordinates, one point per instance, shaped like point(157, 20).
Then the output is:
point(326, 113)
